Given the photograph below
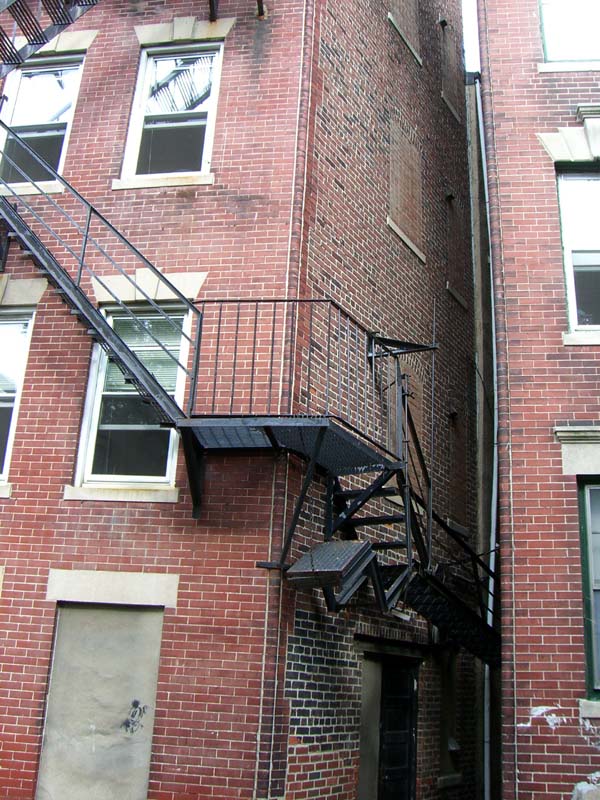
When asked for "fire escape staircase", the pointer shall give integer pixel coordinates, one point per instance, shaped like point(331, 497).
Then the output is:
point(76, 248)
point(398, 564)
point(26, 27)
point(79, 250)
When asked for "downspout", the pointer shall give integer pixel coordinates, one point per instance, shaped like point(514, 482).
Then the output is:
point(494, 487)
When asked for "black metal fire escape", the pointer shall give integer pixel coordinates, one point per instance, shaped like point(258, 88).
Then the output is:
point(311, 385)
point(26, 27)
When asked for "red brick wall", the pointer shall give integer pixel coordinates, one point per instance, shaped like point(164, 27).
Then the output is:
point(223, 709)
point(542, 383)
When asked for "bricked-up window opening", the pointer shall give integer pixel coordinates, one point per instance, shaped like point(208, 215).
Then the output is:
point(101, 702)
point(570, 30)
point(452, 69)
point(406, 186)
point(405, 17)
point(174, 112)
point(579, 201)
point(14, 345)
point(590, 511)
point(127, 440)
point(41, 101)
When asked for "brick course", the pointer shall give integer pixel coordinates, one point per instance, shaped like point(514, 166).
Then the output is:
point(259, 687)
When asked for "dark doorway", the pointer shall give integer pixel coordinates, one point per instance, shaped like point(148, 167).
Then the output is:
point(397, 730)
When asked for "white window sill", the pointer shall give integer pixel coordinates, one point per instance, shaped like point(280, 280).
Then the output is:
point(581, 337)
point(569, 66)
point(589, 709)
point(153, 181)
point(407, 241)
point(123, 493)
point(48, 187)
point(5, 491)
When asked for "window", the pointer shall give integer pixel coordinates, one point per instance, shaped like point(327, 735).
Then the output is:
point(174, 111)
point(126, 441)
point(590, 547)
point(41, 100)
point(579, 199)
point(570, 29)
point(14, 344)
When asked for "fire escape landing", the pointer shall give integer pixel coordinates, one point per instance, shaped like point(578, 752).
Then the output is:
point(301, 377)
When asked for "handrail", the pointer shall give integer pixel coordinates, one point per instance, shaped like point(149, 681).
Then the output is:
point(95, 250)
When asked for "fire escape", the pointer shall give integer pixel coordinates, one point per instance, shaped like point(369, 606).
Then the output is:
point(295, 376)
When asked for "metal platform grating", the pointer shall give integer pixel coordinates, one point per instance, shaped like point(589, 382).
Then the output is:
point(330, 564)
point(341, 453)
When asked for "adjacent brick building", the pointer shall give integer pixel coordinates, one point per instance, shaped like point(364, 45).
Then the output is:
point(222, 573)
point(540, 96)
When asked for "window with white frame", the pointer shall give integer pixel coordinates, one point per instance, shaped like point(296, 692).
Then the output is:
point(125, 441)
point(570, 29)
point(14, 345)
point(579, 203)
point(173, 117)
point(41, 101)
point(590, 510)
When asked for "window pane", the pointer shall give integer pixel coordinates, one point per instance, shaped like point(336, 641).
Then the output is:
point(13, 355)
point(157, 362)
point(586, 270)
point(134, 333)
point(596, 638)
point(6, 412)
point(179, 83)
point(594, 531)
point(19, 165)
point(171, 148)
point(46, 95)
point(571, 29)
point(128, 410)
point(131, 452)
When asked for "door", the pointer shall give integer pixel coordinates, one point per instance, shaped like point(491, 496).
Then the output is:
point(397, 731)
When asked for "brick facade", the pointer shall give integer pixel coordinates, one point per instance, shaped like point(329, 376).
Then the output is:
point(259, 686)
point(549, 743)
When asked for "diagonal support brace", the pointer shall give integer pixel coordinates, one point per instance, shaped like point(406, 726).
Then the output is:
point(310, 471)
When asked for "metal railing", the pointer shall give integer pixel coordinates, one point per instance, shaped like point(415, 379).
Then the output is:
point(97, 257)
point(295, 357)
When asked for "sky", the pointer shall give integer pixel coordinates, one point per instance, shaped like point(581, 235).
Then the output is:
point(470, 33)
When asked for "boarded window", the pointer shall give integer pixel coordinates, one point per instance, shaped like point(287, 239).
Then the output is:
point(405, 15)
point(452, 70)
point(100, 705)
point(406, 189)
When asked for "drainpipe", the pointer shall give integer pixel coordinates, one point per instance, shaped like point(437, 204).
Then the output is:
point(475, 79)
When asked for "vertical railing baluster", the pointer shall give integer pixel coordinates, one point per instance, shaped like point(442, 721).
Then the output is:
point(356, 393)
point(195, 364)
point(253, 358)
point(216, 369)
point(292, 343)
point(234, 357)
point(328, 361)
point(310, 357)
point(272, 357)
point(348, 414)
